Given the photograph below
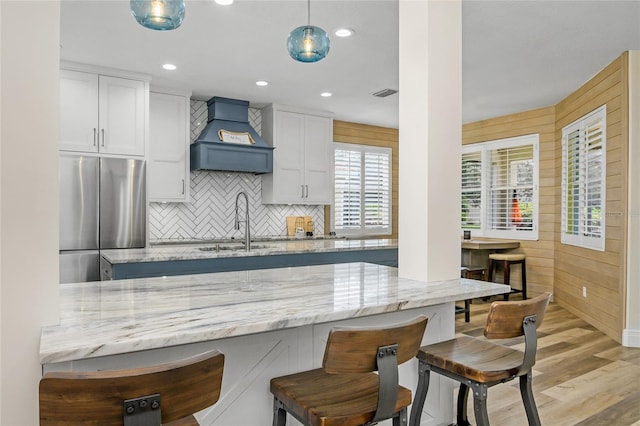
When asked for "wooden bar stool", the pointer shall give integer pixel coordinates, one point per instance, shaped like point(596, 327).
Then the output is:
point(166, 394)
point(476, 273)
point(506, 260)
point(346, 390)
point(479, 364)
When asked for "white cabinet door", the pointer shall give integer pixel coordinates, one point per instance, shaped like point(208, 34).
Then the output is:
point(317, 159)
point(78, 111)
point(289, 157)
point(301, 159)
point(168, 147)
point(102, 114)
point(122, 116)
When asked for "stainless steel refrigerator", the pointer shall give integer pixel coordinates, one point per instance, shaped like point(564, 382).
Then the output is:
point(102, 205)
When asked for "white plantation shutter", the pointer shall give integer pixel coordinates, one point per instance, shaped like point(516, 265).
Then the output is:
point(571, 183)
point(471, 190)
point(593, 204)
point(511, 187)
point(500, 188)
point(362, 193)
point(377, 191)
point(347, 203)
point(583, 181)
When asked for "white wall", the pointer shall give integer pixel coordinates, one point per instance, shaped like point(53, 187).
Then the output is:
point(28, 198)
point(631, 332)
point(430, 139)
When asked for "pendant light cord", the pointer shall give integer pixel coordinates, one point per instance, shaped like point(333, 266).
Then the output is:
point(308, 13)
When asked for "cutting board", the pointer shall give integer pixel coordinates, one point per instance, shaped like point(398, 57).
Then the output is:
point(291, 224)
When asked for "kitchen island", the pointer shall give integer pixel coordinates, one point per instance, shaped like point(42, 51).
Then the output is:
point(267, 322)
point(229, 255)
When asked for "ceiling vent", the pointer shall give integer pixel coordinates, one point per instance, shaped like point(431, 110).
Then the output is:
point(384, 93)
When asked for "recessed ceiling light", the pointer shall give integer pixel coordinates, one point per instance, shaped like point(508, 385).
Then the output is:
point(224, 2)
point(262, 83)
point(326, 94)
point(344, 32)
point(169, 67)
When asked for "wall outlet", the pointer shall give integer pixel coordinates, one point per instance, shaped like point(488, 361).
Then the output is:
point(584, 291)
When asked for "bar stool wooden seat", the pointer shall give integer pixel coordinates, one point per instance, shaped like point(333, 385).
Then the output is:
point(166, 394)
point(479, 364)
point(506, 260)
point(346, 390)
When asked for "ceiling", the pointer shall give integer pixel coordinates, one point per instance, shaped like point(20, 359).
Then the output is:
point(517, 55)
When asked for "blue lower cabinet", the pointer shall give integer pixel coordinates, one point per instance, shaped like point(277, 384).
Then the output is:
point(387, 257)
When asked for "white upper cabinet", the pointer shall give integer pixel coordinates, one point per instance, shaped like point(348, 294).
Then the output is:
point(78, 111)
point(169, 147)
point(301, 159)
point(102, 113)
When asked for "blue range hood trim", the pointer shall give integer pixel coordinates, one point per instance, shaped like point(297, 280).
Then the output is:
point(210, 153)
point(219, 156)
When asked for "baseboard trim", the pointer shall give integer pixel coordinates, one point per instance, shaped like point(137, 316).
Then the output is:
point(631, 338)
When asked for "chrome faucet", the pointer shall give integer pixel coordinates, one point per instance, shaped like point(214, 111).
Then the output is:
point(247, 232)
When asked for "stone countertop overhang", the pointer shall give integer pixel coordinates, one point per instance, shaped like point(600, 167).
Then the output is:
point(123, 316)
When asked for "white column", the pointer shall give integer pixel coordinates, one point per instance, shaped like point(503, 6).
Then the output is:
point(30, 41)
point(430, 139)
point(631, 332)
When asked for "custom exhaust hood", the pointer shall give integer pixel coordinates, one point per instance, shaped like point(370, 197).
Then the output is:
point(228, 142)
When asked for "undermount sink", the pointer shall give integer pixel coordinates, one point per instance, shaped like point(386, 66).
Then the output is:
point(233, 247)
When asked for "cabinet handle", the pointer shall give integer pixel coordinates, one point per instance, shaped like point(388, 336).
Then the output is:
point(302, 191)
point(183, 188)
point(307, 188)
point(103, 138)
point(95, 133)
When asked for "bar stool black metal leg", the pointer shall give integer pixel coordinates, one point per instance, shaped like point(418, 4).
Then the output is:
point(524, 280)
point(401, 418)
point(507, 276)
point(480, 405)
point(421, 394)
point(279, 413)
point(461, 415)
point(527, 398)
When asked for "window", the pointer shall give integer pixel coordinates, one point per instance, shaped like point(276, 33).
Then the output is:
point(583, 181)
point(500, 188)
point(362, 189)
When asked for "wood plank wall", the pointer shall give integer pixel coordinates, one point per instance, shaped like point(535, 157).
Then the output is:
point(540, 256)
point(562, 268)
point(363, 134)
point(603, 273)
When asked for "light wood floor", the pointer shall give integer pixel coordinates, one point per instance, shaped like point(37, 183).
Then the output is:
point(581, 376)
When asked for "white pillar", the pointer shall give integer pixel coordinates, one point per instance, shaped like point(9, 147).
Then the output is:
point(430, 139)
point(29, 64)
point(631, 332)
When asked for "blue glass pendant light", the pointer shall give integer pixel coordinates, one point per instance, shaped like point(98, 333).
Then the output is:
point(158, 14)
point(308, 43)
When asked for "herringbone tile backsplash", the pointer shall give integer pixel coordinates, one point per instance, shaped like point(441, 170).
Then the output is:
point(210, 214)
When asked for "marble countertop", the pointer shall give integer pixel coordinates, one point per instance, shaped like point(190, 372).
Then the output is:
point(260, 248)
point(123, 316)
